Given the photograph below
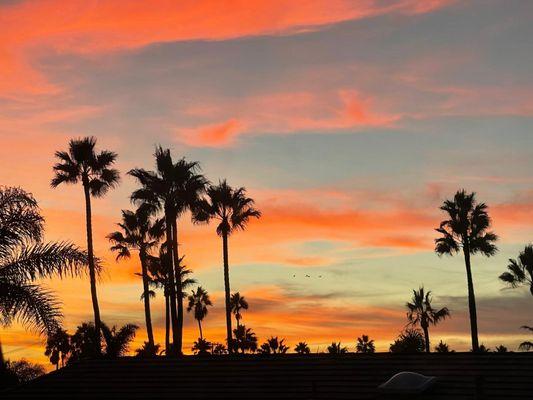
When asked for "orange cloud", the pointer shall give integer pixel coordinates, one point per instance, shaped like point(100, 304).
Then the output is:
point(42, 27)
point(215, 135)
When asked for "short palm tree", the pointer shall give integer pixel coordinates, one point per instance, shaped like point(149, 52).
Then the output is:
point(520, 271)
point(25, 258)
point(140, 232)
point(466, 230)
point(198, 302)
point(274, 345)
point(302, 348)
point(117, 341)
point(245, 340)
point(202, 347)
point(81, 163)
point(337, 348)
point(173, 188)
point(233, 210)
point(421, 312)
point(238, 303)
point(58, 347)
point(365, 345)
point(527, 345)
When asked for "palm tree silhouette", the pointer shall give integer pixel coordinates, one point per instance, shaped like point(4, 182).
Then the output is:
point(198, 302)
point(302, 348)
point(421, 312)
point(337, 348)
point(139, 232)
point(365, 345)
point(81, 163)
point(174, 188)
point(527, 345)
point(238, 303)
point(520, 271)
point(25, 258)
point(466, 230)
point(233, 210)
point(274, 346)
point(201, 347)
point(117, 341)
point(58, 347)
point(245, 340)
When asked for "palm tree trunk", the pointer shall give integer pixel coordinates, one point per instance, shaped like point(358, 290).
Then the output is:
point(146, 296)
point(167, 322)
point(200, 328)
point(426, 337)
point(227, 289)
point(179, 288)
point(471, 297)
point(92, 271)
point(172, 285)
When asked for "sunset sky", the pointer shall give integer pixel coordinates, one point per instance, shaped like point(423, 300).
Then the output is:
point(349, 122)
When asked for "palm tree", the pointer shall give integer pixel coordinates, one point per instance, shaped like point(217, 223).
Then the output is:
point(274, 346)
point(245, 340)
point(302, 348)
point(24, 258)
point(421, 312)
point(174, 188)
point(527, 345)
point(139, 232)
point(81, 163)
point(443, 348)
point(198, 302)
point(410, 340)
point(233, 210)
point(337, 348)
point(58, 347)
point(520, 271)
point(466, 230)
point(201, 347)
point(238, 303)
point(147, 350)
point(365, 345)
point(117, 341)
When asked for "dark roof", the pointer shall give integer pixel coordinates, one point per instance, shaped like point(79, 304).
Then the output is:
point(352, 376)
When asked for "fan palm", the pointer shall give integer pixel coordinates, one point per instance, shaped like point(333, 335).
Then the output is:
point(139, 232)
point(520, 271)
point(233, 210)
point(174, 188)
point(337, 348)
point(238, 303)
point(421, 312)
point(24, 257)
point(117, 341)
point(302, 348)
point(274, 346)
point(198, 302)
point(466, 229)
point(365, 345)
point(58, 347)
point(245, 340)
point(81, 163)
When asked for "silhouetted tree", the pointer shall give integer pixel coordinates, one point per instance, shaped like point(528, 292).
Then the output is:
point(238, 303)
point(85, 343)
point(218, 349)
point(421, 312)
point(25, 258)
point(58, 347)
point(409, 341)
point(201, 347)
point(140, 232)
point(466, 230)
point(245, 339)
point(25, 370)
point(232, 209)
point(365, 345)
point(527, 345)
point(117, 341)
point(81, 163)
point(501, 349)
point(443, 348)
point(174, 188)
point(520, 271)
point(337, 348)
point(482, 349)
point(302, 348)
point(198, 303)
point(147, 350)
point(274, 346)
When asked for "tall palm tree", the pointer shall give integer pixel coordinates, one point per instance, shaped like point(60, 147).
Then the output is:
point(24, 258)
point(174, 188)
point(198, 302)
point(238, 303)
point(233, 210)
point(81, 163)
point(466, 230)
point(520, 271)
point(139, 232)
point(421, 312)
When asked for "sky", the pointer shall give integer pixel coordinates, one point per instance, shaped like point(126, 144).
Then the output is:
point(349, 123)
